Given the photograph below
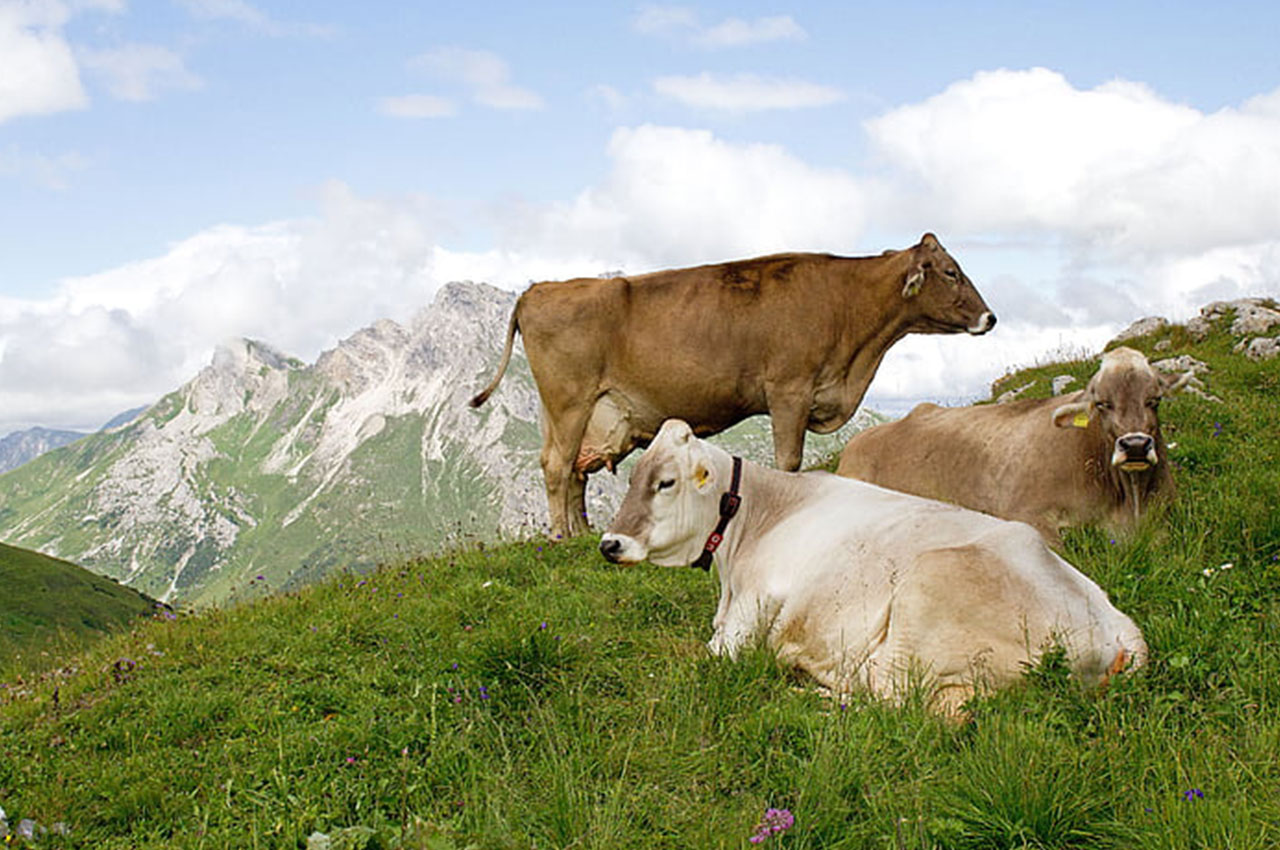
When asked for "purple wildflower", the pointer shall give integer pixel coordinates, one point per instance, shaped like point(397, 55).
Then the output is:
point(543, 626)
point(775, 821)
point(261, 578)
point(1192, 794)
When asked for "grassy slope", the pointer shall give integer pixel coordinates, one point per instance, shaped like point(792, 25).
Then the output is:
point(52, 604)
point(428, 704)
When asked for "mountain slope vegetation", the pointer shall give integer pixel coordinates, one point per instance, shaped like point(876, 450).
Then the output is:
point(265, 466)
point(53, 604)
point(532, 695)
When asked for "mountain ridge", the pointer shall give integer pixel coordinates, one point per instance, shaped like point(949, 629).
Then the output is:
point(266, 471)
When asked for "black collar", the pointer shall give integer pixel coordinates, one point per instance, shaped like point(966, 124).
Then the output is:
point(729, 504)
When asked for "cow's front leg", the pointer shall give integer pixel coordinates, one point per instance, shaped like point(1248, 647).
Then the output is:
point(744, 621)
point(722, 610)
point(788, 416)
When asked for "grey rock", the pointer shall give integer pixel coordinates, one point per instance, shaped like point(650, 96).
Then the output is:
point(1009, 396)
point(1253, 316)
point(1142, 327)
point(1263, 348)
point(1184, 363)
point(1198, 327)
point(1254, 319)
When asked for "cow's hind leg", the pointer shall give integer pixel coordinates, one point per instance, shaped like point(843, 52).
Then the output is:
point(561, 442)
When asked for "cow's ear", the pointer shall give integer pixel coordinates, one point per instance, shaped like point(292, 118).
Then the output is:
point(1074, 414)
point(678, 431)
point(929, 242)
point(915, 280)
point(701, 476)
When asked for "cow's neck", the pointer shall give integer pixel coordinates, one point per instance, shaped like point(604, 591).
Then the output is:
point(881, 317)
point(768, 497)
point(1129, 493)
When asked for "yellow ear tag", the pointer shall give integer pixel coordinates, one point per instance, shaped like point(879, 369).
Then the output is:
point(1081, 420)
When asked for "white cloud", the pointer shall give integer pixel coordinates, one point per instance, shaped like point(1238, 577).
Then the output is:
point(1074, 211)
point(745, 92)
point(665, 20)
point(38, 73)
point(138, 72)
point(1122, 179)
point(735, 32)
point(682, 22)
point(483, 74)
point(1115, 166)
point(416, 106)
point(253, 18)
point(124, 337)
point(51, 172)
point(610, 97)
point(676, 196)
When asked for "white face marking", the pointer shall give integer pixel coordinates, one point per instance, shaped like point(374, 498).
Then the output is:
point(622, 549)
point(985, 323)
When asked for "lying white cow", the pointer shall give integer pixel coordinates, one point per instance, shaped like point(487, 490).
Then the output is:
point(861, 586)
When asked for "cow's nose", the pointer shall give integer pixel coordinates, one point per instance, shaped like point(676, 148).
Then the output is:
point(611, 548)
point(1136, 445)
point(986, 322)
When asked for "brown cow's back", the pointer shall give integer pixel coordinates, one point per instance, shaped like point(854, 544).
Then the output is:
point(796, 336)
point(1008, 460)
point(701, 344)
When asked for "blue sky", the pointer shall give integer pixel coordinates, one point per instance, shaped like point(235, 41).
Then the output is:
point(176, 173)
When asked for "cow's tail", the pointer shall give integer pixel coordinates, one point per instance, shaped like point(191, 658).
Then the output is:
point(512, 328)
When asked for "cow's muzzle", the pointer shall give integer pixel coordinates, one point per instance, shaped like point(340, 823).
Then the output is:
point(1135, 452)
point(621, 549)
point(985, 322)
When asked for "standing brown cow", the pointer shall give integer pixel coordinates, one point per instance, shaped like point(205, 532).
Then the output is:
point(1095, 455)
point(797, 336)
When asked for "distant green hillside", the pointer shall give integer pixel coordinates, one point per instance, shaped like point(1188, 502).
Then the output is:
point(531, 695)
point(45, 599)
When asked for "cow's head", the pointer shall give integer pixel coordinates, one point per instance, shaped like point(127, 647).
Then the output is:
point(943, 297)
point(672, 503)
point(1123, 400)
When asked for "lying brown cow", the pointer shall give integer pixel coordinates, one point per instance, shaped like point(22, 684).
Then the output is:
point(797, 336)
point(1095, 455)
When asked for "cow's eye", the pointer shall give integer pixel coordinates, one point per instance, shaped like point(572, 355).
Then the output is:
point(1103, 405)
point(665, 483)
point(1153, 403)
point(952, 273)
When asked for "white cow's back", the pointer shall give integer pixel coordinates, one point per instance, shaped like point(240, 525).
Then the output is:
point(857, 582)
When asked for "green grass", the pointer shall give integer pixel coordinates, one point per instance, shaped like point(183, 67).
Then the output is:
point(49, 607)
point(426, 705)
